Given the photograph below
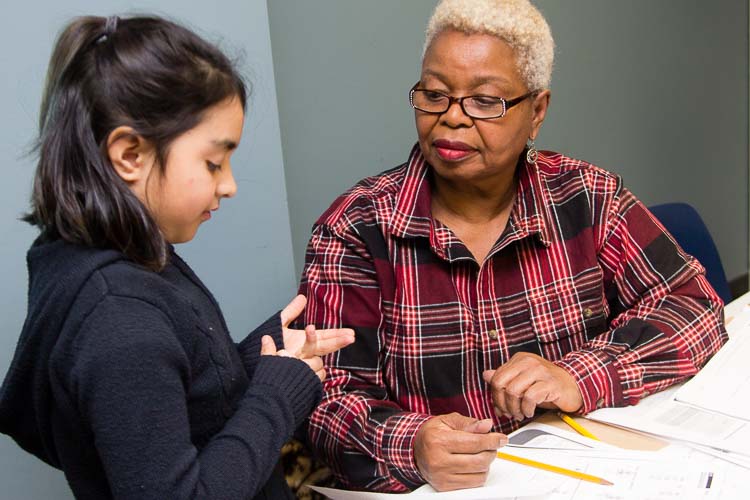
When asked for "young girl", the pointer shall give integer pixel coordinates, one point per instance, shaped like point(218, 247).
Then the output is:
point(125, 376)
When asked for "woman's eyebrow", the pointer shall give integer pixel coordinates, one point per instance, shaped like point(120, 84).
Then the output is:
point(475, 81)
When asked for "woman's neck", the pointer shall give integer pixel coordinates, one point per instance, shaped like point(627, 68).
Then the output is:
point(477, 203)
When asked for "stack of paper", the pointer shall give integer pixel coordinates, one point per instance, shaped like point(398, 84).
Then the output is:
point(711, 411)
point(661, 415)
point(723, 385)
point(667, 474)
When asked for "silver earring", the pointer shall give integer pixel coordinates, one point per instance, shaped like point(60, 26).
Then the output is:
point(531, 153)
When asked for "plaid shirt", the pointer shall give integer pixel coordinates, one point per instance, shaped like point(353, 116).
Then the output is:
point(582, 275)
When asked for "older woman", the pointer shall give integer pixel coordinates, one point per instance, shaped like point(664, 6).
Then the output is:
point(487, 279)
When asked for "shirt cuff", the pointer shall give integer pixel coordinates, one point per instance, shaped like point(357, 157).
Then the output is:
point(396, 446)
point(597, 378)
point(292, 379)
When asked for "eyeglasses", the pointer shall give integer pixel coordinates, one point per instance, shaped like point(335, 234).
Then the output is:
point(480, 107)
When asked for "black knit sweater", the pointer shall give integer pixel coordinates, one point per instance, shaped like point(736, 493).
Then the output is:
point(128, 381)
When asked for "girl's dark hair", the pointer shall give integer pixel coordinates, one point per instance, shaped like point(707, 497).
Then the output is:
point(143, 72)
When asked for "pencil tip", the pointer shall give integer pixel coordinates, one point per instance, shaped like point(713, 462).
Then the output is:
point(607, 483)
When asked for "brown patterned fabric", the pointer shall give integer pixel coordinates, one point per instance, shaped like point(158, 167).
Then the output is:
point(302, 469)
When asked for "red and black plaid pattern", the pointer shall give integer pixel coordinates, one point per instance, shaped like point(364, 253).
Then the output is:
point(582, 275)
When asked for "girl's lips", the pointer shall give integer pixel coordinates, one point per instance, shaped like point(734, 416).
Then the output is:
point(452, 150)
point(207, 214)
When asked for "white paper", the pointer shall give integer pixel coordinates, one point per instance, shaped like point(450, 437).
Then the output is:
point(659, 414)
point(673, 473)
point(506, 480)
point(734, 458)
point(737, 313)
point(541, 436)
point(723, 385)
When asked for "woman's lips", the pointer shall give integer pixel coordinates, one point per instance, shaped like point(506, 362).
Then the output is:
point(452, 150)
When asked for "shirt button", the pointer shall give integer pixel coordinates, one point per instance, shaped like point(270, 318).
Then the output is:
point(492, 334)
point(587, 313)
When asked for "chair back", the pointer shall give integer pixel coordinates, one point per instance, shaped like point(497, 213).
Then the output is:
point(687, 227)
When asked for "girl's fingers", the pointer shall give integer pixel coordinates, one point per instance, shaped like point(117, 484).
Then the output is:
point(310, 347)
point(267, 346)
point(322, 342)
point(292, 310)
point(311, 335)
point(316, 363)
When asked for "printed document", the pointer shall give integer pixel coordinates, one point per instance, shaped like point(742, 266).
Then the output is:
point(723, 385)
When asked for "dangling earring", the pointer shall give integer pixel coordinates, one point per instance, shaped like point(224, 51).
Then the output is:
point(531, 153)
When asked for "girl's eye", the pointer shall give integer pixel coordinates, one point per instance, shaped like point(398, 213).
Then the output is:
point(213, 167)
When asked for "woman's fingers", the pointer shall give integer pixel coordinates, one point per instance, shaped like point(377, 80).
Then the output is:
point(292, 310)
point(528, 381)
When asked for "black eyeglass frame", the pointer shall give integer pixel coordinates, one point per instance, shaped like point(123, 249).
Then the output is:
point(507, 103)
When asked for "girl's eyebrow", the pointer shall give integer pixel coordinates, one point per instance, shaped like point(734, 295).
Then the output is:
point(226, 144)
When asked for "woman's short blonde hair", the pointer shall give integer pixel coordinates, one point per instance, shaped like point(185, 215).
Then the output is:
point(516, 22)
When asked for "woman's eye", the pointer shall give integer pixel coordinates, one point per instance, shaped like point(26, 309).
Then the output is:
point(213, 167)
point(487, 101)
point(433, 96)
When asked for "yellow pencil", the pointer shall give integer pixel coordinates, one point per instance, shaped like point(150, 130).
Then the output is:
point(576, 426)
point(554, 468)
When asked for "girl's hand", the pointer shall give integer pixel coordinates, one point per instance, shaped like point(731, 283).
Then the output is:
point(268, 348)
point(311, 342)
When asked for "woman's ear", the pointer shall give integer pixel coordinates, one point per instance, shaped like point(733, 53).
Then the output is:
point(540, 104)
point(130, 154)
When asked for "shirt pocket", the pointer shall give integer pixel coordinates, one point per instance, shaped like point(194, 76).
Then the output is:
point(569, 312)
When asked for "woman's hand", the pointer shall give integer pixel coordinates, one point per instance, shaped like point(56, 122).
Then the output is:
point(311, 342)
point(528, 381)
point(268, 348)
point(453, 451)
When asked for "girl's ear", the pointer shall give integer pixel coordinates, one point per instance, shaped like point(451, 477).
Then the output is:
point(130, 154)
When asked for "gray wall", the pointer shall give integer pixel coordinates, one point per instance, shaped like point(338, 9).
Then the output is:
point(655, 91)
point(243, 254)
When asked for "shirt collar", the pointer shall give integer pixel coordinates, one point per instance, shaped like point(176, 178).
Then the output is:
point(530, 211)
point(412, 215)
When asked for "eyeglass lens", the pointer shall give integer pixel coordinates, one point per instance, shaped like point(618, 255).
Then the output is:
point(474, 106)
